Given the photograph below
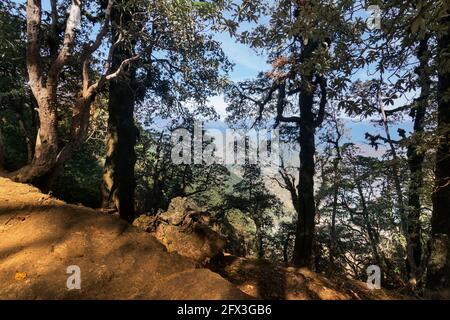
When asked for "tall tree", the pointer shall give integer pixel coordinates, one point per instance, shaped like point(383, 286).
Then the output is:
point(401, 52)
point(44, 79)
point(180, 64)
point(305, 43)
point(118, 185)
point(438, 276)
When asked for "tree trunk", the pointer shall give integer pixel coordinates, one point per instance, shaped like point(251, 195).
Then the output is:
point(333, 239)
point(118, 186)
point(46, 146)
point(118, 177)
point(305, 223)
point(439, 266)
point(2, 152)
point(371, 234)
point(259, 242)
point(416, 158)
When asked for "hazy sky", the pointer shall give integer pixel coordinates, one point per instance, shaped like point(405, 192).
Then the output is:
point(248, 64)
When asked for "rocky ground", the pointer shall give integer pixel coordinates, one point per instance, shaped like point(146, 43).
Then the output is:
point(41, 236)
point(162, 257)
point(265, 280)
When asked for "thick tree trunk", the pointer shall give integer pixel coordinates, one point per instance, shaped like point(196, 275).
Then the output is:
point(46, 146)
point(439, 266)
point(305, 223)
point(118, 186)
point(415, 160)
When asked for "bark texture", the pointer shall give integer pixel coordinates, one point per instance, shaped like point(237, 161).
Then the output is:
point(118, 186)
point(438, 277)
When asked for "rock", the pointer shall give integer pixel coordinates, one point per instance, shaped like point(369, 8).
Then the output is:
point(146, 223)
point(201, 244)
point(184, 229)
point(178, 208)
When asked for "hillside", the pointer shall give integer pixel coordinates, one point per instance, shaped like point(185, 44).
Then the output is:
point(42, 236)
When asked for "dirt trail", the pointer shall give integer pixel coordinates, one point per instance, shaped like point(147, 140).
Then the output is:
point(266, 280)
point(41, 236)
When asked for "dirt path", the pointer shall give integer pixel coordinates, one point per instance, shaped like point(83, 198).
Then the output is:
point(41, 236)
point(265, 280)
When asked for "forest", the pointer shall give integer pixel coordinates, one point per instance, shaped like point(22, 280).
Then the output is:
point(281, 149)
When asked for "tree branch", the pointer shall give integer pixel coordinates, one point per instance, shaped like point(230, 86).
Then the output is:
point(34, 63)
point(99, 84)
point(89, 49)
point(69, 38)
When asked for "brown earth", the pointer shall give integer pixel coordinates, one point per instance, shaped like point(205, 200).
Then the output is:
point(266, 280)
point(41, 236)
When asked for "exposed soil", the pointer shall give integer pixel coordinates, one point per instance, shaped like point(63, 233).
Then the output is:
point(265, 280)
point(41, 236)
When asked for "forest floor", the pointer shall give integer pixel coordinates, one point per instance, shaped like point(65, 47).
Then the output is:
point(41, 236)
point(265, 280)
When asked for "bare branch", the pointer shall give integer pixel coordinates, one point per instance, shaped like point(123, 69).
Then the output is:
point(89, 49)
point(69, 38)
point(103, 31)
point(99, 84)
point(34, 63)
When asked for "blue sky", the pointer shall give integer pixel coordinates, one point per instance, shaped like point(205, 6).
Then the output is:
point(248, 64)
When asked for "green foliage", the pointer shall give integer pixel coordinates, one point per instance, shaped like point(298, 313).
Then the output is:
point(16, 114)
point(361, 199)
point(80, 180)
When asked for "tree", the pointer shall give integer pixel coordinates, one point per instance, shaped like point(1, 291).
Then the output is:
point(305, 43)
point(179, 64)
point(251, 196)
point(438, 276)
point(118, 183)
point(404, 24)
point(45, 77)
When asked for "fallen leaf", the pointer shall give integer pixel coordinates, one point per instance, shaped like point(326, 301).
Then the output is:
point(20, 276)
